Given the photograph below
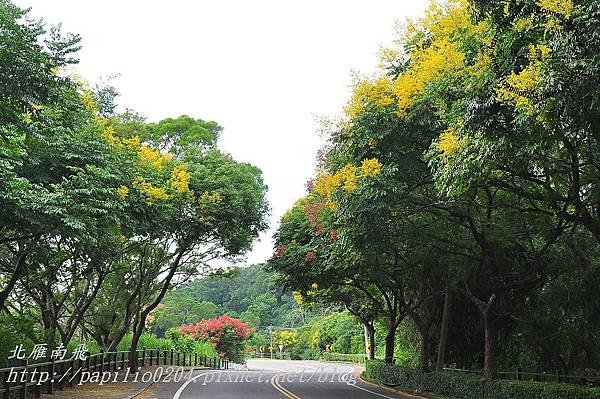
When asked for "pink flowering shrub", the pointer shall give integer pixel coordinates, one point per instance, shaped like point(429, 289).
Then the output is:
point(224, 333)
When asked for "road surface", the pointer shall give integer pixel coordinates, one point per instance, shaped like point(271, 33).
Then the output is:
point(271, 379)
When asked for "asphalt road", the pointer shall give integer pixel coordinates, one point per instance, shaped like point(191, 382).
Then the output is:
point(271, 379)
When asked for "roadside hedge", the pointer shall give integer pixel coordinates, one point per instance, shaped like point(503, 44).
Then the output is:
point(343, 357)
point(471, 386)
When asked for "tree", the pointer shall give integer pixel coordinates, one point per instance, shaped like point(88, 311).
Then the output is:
point(178, 309)
point(250, 318)
point(226, 335)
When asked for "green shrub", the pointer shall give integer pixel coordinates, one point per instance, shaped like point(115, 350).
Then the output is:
point(393, 375)
point(310, 354)
point(146, 340)
point(457, 385)
point(543, 390)
point(343, 357)
point(91, 344)
point(471, 386)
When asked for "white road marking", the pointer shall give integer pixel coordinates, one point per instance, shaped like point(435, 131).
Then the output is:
point(190, 380)
point(365, 389)
point(352, 369)
point(277, 385)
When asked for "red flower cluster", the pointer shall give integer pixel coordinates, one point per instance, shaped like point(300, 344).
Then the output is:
point(310, 255)
point(310, 184)
point(312, 211)
point(278, 251)
point(213, 330)
point(333, 235)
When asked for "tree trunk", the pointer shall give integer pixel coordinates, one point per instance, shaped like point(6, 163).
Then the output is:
point(16, 275)
point(135, 339)
point(491, 345)
point(390, 341)
point(369, 341)
point(441, 355)
point(141, 320)
point(424, 357)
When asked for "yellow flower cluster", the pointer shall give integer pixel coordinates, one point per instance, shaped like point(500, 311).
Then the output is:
point(538, 52)
point(132, 142)
point(152, 192)
point(563, 8)
point(522, 24)
point(346, 179)
point(387, 56)
point(556, 11)
point(298, 297)
point(87, 97)
point(370, 168)
point(377, 93)
point(180, 179)
point(207, 198)
point(438, 54)
point(27, 117)
point(506, 7)
point(154, 157)
point(316, 338)
point(448, 143)
point(516, 88)
point(123, 191)
point(285, 337)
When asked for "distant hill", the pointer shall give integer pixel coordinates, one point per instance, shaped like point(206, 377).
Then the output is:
point(250, 293)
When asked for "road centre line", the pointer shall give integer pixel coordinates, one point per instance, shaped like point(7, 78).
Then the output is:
point(276, 384)
point(288, 394)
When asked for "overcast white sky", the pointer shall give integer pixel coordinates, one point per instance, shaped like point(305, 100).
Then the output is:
point(262, 69)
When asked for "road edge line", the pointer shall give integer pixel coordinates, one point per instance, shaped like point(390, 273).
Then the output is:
point(390, 389)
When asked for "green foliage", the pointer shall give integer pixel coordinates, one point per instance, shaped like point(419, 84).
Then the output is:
point(342, 330)
point(187, 344)
point(406, 350)
point(101, 213)
point(483, 122)
point(343, 357)
point(91, 345)
point(339, 329)
point(469, 386)
point(183, 134)
point(543, 390)
point(177, 310)
point(250, 318)
point(16, 331)
point(249, 289)
point(146, 340)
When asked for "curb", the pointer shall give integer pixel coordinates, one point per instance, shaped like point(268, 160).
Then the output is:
point(139, 391)
point(390, 389)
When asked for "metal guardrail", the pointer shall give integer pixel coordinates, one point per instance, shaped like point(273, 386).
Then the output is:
point(68, 372)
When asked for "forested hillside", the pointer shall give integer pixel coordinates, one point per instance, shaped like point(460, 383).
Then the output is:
point(249, 293)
